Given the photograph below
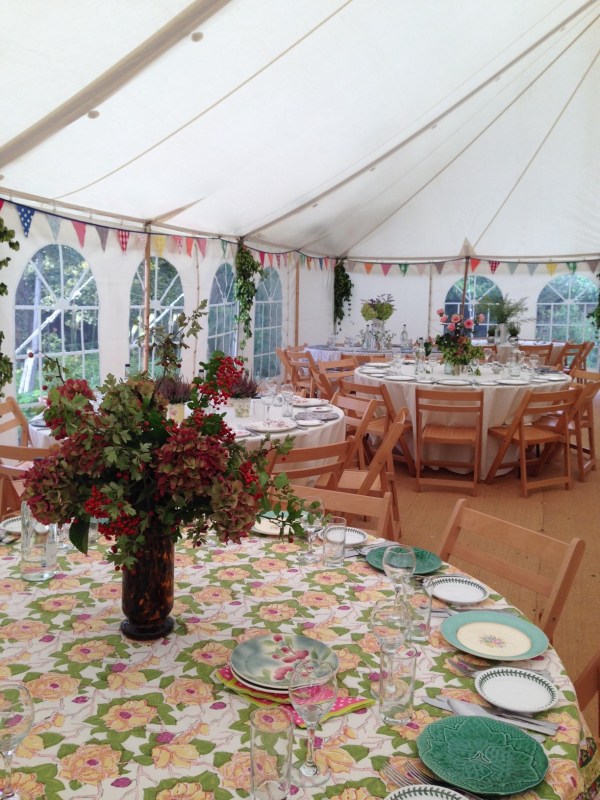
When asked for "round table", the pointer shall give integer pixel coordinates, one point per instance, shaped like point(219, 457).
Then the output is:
point(499, 401)
point(120, 720)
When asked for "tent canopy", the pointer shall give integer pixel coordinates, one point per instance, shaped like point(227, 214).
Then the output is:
point(377, 129)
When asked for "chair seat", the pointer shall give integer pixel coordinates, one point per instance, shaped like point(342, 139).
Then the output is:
point(445, 434)
point(531, 434)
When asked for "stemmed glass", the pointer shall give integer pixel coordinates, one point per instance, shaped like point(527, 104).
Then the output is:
point(399, 564)
point(16, 719)
point(534, 361)
point(313, 691)
point(390, 624)
point(487, 352)
point(312, 523)
point(269, 397)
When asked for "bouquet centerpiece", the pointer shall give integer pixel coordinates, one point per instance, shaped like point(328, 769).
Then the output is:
point(380, 307)
point(455, 343)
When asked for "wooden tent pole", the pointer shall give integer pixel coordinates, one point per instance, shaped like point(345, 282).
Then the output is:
point(297, 309)
point(146, 349)
point(464, 291)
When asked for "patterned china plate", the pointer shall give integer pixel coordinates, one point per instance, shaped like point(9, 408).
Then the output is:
point(482, 755)
point(310, 423)
point(552, 378)
point(401, 377)
point(453, 382)
point(241, 433)
point(309, 402)
point(513, 382)
point(516, 689)
point(257, 686)
point(423, 791)
point(372, 374)
point(11, 525)
point(355, 537)
point(458, 589)
point(271, 426)
point(426, 561)
point(325, 416)
point(492, 634)
point(269, 660)
point(266, 527)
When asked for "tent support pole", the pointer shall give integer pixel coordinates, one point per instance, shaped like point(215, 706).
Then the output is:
point(297, 308)
point(146, 350)
point(464, 291)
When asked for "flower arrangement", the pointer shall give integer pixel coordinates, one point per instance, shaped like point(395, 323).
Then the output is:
point(142, 475)
point(380, 307)
point(455, 343)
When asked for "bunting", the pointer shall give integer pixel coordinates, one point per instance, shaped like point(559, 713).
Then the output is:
point(475, 262)
point(512, 266)
point(102, 235)
point(593, 265)
point(278, 258)
point(54, 225)
point(80, 230)
point(202, 246)
point(141, 239)
point(261, 258)
point(494, 266)
point(350, 266)
point(550, 266)
point(385, 268)
point(123, 239)
point(189, 245)
point(25, 215)
point(368, 268)
point(1, 204)
point(532, 268)
point(459, 267)
point(224, 248)
point(572, 267)
point(421, 269)
point(177, 243)
point(159, 243)
point(321, 264)
point(439, 266)
point(403, 269)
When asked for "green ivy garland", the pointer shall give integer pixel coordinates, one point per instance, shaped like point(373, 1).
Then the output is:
point(595, 314)
point(6, 367)
point(247, 269)
point(342, 292)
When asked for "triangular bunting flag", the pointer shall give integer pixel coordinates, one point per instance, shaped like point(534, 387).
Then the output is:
point(321, 264)
point(475, 262)
point(531, 268)
point(512, 266)
point(189, 244)
point(80, 229)
point(201, 246)
point(159, 243)
point(459, 267)
point(261, 257)
point(350, 266)
point(593, 265)
point(54, 223)
point(551, 267)
point(141, 239)
point(1, 204)
point(403, 268)
point(102, 235)
point(439, 265)
point(385, 268)
point(123, 239)
point(177, 243)
point(25, 215)
point(302, 258)
point(224, 248)
point(368, 268)
point(421, 269)
point(278, 258)
point(494, 266)
point(572, 267)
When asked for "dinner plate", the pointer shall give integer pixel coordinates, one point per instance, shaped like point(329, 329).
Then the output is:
point(482, 755)
point(513, 382)
point(269, 660)
point(458, 589)
point(516, 689)
point(267, 527)
point(309, 402)
point(11, 525)
point(426, 561)
point(453, 382)
point(257, 687)
point(378, 374)
point(272, 426)
point(552, 378)
point(38, 422)
point(424, 791)
point(492, 634)
point(310, 423)
point(241, 433)
point(400, 377)
point(486, 382)
point(326, 416)
point(355, 537)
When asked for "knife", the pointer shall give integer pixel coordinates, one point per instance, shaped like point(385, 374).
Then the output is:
point(539, 726)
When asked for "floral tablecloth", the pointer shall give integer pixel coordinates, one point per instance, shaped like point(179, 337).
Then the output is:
point(119, 720)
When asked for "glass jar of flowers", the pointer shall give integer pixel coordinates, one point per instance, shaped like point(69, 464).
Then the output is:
point(455, 343)
point(151, 480)
point(376, 311)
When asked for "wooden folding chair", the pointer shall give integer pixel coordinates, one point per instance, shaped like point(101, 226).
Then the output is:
point(537, 443)
point(458, 422)
point(371, 514)
point(588, 683)
point(581, 426)
point(542, 351)
point(15, 461)
point(301, 365)
point(378, 479)
point(11, 417)
point(521, 552)
point(322, 386)
point(285, 363)
point(358, 414)
point(385, 414)
point(324, 463)
point(572, 356)
point(366, 358)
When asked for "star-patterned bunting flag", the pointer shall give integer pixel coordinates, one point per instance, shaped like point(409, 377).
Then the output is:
point(177, 243)
point(141, 239)
point(25, 215)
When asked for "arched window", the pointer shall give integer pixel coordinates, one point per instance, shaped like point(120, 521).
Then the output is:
point(478, 289)
point(268, 307)
point(56, 314)
point(222, 325)
point(166, 303)
point(562, 309)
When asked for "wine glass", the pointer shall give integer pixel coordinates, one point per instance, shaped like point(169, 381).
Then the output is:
point(287, 394)
point(312, 523)
point(399, 564)
point(268, 397)
point(16, 719)
point(390, 623)
point(487, 352)
point(534, 361)
point(313, 691)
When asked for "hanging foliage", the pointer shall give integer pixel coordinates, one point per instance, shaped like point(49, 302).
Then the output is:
point(247, 269)
point(342, 292)
point(7, 236)
point(595, 314)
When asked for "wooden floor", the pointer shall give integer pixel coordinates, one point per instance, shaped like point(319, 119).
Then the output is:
point(555, 512)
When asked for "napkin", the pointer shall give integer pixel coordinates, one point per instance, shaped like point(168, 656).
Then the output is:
point(342, 705)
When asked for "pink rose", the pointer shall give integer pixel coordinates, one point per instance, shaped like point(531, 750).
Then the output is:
point(440, 312)
point(451, 326)
point(444, 318)
point(455, 318)
point(469, 324)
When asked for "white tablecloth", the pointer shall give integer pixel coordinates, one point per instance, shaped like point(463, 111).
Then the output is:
point(505, 349)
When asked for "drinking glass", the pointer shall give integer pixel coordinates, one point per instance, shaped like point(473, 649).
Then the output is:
point(389, 623)
point(334, 542)
point(312, 523)
point(268, 397)
point(534, 361)
point(397, 686)
point(16, 719)
point(399, 564)
point(287, 394)
point(271, 742)
point(313, 691)
point(487, 352)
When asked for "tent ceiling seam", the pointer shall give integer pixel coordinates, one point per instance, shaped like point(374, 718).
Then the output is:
point(424, 128)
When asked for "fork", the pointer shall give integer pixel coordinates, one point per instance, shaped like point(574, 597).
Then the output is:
point(417, 775)
point(472, 672)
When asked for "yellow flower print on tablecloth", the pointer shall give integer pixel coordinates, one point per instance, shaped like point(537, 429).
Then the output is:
point(323, 632)
point(270, 564)
point(26, 786)
point(318, 600)
point(173, 754)
point(10, 586)
point(370, 594)
point(276, 612)
point(226, 557)
point(189, 691)
point(52, 686)
point(437, 640)
point(463, 693)
point(75, 557)
point(185, 791)
point(235, 774)
point(33, 744)
point(286, 547)
point(359, 568)
point(347, 660)
point(260, 589)
point(90, 650)
point(413, 729)
point(232, 574)
point(330, 578)
point(183, 559)
point(332, 756)
point(569, 730)
point(213, 595)
point(368, 644)
point(58, 603)
point(129, 715)
point(354, 794)
point(121, 678)
point(250, 633)
point(109, 591)
point(63, 583)
point(200, 627)
point(211, 653)
point(564, 777)
point(23, 631)
point(91, 623)
point(90, 763)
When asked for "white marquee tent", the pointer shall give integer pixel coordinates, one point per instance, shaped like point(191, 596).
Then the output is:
point(381, 130)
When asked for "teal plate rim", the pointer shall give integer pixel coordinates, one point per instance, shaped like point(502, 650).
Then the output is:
point(433, 742)
point(451, 625)
point(426, 560)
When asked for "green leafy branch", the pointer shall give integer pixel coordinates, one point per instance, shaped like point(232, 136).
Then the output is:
point(7, 236)
point(247, 269)
point(342, 291)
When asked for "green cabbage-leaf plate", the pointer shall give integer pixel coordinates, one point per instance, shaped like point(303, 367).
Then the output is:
point(482, 755)
point(426, 561)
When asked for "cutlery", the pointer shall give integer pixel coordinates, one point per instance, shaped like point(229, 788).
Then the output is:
point(451, 611)
point(417, 773)
point(464, 709)
point(469, 671)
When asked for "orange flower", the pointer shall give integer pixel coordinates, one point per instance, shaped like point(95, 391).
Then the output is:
point(127, 679)
point(369, 644)
point(265, 590)
point(369, 594)
point(285, 547)
point(90, 763)
point(92, 650)
point(347, 659)
point(250, 633)
point(129, 715)
point(235, 774)
point(27, 787)
point(276, 611)
point(185, 791)
point(12, 586)
point(318, 600)
point(211, 653)
point(57, 603)
point(232, 574)
point(109, 591)
point(189, 691)
point(52, 686)
point(62, 583)
point(324, 633)
point(564, 777)
point(174, 755)
point(330, 578)
point(23, 631)
point(213, 594)
point(270, 564)
point(354, 794)
point(569, 730)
